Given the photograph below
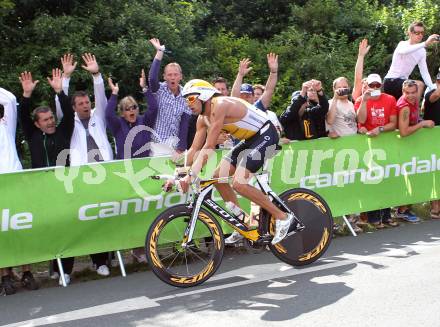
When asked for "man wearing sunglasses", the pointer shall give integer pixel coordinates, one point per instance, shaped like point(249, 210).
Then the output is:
point(376, 113)
point(407, 55)
point(259, 141)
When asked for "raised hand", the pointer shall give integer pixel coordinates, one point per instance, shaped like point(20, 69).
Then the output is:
point(156, 44)
point(143, 79)
point(114, 87)
point(91, 65)
point(243, 67)
point(317, 85)
point(56, 82)
point(68, 65)
point(27, 83)
point(363, 48)
point(272, 62)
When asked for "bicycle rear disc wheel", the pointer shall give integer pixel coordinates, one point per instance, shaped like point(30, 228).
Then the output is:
point(184, 266)
point(306, 246)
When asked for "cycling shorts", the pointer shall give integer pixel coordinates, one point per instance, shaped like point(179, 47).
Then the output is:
point(253, 152)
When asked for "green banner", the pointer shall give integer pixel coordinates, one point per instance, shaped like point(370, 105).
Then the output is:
point(62, 212)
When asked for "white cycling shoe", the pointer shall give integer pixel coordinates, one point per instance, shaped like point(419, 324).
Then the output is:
point(234, 238)
point(282, 228)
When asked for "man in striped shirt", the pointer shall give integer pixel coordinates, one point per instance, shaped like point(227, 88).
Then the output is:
point(173, 113)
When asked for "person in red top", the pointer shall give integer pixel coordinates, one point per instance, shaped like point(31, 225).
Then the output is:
point(408, 110)
point(376, 111)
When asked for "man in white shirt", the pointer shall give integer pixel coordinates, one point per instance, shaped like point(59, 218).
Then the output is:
point(9, 162)
point(89, 141)
point(407, 55)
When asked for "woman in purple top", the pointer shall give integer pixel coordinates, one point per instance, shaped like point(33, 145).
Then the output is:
point(132, 131)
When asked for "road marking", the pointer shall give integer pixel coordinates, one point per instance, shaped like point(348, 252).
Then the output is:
point(143, 302)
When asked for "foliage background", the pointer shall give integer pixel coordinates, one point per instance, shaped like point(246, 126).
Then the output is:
point(315, 39)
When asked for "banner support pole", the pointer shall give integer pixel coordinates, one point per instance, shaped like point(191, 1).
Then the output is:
point(121, 264)
point(349, 225)
point(61, 270)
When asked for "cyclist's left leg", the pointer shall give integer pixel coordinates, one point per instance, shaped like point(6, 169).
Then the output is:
point(240, 184)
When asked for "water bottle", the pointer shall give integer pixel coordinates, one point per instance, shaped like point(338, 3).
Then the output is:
point(236, 211)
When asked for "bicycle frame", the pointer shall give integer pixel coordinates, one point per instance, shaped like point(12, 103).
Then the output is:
point(204, 197)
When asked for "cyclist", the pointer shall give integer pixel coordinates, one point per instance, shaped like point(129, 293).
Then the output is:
point(259, 140)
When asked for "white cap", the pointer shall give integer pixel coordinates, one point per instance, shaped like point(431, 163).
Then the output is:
point(374, 78)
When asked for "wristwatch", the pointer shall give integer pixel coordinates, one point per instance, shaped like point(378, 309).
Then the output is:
point(381, 129)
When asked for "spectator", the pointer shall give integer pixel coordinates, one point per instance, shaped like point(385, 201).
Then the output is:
point(432, 112)
point(408, 111)
point(360, 83)
point(129, 118)
point(305, 117)
point(46, 140)
point(89, 141)
point(9, 163)
point(173, 114)
point(130, 142)
point(246, 91)
point(407, 55)
point(222, 85)
point(377, 113)
point(341, 116)
point(258, 91)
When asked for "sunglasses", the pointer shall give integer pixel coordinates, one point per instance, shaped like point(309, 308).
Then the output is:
point(418, 32)
point(375, 85)
point(191, 99)
point(133, 107)
point(409, 82)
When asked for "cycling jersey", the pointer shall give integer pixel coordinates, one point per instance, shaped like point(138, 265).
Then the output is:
point(247, 126)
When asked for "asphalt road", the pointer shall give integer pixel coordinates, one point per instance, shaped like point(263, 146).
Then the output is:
point(386, 278)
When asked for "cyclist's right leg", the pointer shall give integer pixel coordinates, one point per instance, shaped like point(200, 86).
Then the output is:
point(225, 169)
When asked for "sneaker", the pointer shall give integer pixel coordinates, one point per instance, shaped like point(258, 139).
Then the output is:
point(28, 281)
point(234, 238)
point(66, 277)
point(408, 216)
point(103, 270)
point(8, 285)
point(282, 228)
point(140, 258)
point(55, 275)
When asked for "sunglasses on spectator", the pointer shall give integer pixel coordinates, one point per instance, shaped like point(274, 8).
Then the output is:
point(191, 99)
point(375, 85)
point(130, 108)
point(418, 32)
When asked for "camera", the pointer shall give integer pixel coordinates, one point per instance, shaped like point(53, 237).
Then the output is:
point(342, 92)
point(437, 38)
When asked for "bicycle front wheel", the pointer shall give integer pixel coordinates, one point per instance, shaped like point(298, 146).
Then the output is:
point(184, 266)
point(306, 246)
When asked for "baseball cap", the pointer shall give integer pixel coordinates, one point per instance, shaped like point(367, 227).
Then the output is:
point(374, 78)
point(246, 88)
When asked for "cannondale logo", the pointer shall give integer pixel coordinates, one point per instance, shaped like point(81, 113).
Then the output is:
point(267, 137)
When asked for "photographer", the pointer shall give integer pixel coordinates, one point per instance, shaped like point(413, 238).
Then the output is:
point(304, 119)
point(341, 117)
